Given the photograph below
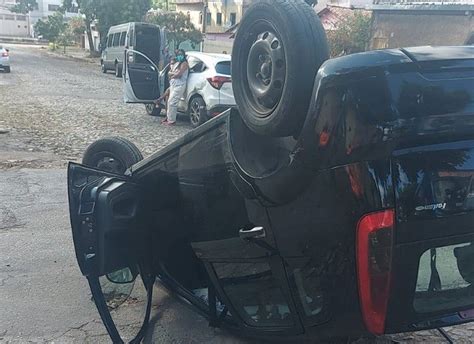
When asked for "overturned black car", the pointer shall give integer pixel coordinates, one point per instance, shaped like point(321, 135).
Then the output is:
point(337, 201)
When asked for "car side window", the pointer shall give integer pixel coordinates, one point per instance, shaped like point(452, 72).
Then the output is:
point(123, 36)
point(196, 65)
point(109, 40)
point(116, 39)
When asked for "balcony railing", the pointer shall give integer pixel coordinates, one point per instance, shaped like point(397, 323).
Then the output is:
point(183, 2)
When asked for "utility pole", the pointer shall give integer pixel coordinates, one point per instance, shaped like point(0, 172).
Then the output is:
point(204, 22)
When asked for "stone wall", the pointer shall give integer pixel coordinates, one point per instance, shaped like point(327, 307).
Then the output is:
point(403, 29)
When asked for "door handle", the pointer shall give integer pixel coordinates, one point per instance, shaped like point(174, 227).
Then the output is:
point(254, 233)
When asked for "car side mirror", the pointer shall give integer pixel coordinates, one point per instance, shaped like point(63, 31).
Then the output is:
point(123, 276)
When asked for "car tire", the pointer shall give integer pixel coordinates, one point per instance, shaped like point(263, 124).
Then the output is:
point(112, 154)
point(197, 111)
point(281, 44)
point(7, 70)
point(118, 71)
point(152, 109)
point(103, 68)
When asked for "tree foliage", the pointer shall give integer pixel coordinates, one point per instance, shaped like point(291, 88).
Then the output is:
point(178, 25)
point(51, 28)
point(351, 35)
point(166, 5)
point(77, 26)
point(24, 6)
point(106, 13)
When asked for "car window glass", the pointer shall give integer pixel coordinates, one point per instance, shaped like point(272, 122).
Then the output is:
point(116, 39)
point(109, 40)
point(223, 68)
point(123, 36)
point(195, 65)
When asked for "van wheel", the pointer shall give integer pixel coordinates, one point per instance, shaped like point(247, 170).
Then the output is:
point(118, 71)
point(197, 111)
point(102, 67)
point(281, 44)
point(112, 154)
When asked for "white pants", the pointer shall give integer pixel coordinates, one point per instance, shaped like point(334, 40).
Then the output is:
point(176, 93)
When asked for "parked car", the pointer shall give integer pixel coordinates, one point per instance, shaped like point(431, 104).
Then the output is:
point(5, 59)
point(334, 202)
point(143, 37)
point(209, 88)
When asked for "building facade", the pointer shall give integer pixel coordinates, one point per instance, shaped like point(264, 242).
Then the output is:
point(214, 18)
point(22, 25)
point(404, 25)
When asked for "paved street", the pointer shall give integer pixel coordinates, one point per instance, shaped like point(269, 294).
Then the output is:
point(52, 108)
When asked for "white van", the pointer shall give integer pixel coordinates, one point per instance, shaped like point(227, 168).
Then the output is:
point(124, 36)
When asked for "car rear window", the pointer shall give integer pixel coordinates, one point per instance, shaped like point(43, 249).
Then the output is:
point(223, 68)
point(445, 278)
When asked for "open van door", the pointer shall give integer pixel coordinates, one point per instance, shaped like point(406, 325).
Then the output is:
point(141, 78)
point(110, 240)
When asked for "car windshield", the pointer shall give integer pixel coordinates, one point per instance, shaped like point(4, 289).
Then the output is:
point(223, 68)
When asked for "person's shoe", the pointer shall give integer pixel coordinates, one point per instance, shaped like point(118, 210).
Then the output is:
point(169, 123)
point(164, 121)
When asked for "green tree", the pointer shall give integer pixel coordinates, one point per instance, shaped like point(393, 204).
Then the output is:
point(24, 6)
point(166, 5)
point(51, 28)
point(351, 35)
point(105, 13)
point(178, 25)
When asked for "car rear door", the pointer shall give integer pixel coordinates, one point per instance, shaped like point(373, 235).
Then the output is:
point(433, 273)
point(110, 240)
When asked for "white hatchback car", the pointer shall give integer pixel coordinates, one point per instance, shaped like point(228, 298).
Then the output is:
point(4, 59)
point(209, 88)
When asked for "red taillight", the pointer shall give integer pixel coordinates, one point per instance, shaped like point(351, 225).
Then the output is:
point(218, 81)
point(374, 265)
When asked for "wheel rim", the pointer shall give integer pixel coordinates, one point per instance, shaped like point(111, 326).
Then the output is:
point(107, 162)
point(195, 113)
point(150, 108)
point(266, 69)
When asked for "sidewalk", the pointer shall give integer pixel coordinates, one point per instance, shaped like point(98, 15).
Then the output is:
point(76, 54)
point(22, 40)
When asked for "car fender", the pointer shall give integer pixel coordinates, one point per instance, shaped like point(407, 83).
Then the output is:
point(193, 93)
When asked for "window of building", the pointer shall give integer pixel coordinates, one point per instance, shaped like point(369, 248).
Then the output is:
point(116, 39)
point(123, 36)
point(9, 17)
point(208, 19)
point(219, 19)
point(53, 8)
point(233, 18)
point(21, 18)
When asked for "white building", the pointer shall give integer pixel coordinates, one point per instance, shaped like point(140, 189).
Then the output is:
point(20, 25)
point(47, 8)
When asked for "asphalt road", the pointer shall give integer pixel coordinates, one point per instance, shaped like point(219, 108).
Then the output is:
point(52, 108)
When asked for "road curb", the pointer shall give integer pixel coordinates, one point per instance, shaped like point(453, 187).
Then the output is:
point(92, 60)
